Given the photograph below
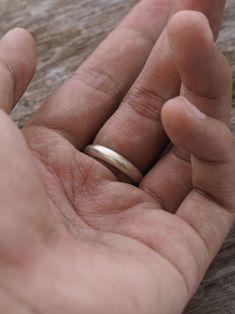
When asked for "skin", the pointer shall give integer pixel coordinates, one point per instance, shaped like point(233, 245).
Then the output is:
point(73, 238)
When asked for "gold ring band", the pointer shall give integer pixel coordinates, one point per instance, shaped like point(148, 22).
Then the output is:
point(115, 160)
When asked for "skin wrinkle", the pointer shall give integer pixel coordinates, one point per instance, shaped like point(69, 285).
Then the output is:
point(176, 268)
point(211, 252)
point(172, 264)
point(98, 81)
point(138, 98)
point(140, 33)
point(105, 208)
point(180, 154)
point(155, 251)
point(74, 187)
point(141, 49)
point(156, 248)
point(10, 69)
point(154, 195)
point(42, 158)
point(199, 236)
point(215, 200)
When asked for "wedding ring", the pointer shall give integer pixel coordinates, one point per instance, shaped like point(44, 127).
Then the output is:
point(112, 158)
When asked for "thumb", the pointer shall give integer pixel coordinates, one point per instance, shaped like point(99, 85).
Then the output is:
point(25, 218)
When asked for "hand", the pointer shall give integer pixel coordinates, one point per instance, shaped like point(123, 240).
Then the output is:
point(73, 238)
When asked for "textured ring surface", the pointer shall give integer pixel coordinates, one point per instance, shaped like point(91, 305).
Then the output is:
point(115, 160)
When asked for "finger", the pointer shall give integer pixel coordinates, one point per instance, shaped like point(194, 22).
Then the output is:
point(17, 66)
point(207, 83)
point(205, 61)
point(191, 238)
point(209, 208)
point(25, 218)
point(82, 104)
point(212, 9)
point(135, 130)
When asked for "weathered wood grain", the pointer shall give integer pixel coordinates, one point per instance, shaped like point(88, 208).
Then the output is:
point(66, 31)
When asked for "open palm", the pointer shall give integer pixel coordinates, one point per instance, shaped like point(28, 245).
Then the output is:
point(75, 239)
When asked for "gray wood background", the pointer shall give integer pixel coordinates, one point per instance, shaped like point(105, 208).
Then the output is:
point(66, 31)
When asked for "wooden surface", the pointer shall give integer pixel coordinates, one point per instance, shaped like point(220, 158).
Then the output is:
point(66, 31)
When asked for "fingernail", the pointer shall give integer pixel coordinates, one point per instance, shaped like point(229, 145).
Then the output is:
point(193, 110)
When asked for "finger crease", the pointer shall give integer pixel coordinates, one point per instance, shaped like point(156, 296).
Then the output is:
point(204, 96)
point(99, 81)
point(9, 68)
point(139, 33)
point(200, 237)
point(180, 154)
point(172, 263)
point(155, 196)
point(215, 200)
point(145, 103)
point(60, 130)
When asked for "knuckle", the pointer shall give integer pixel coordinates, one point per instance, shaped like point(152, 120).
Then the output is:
point(145, 102)
point(98, 80)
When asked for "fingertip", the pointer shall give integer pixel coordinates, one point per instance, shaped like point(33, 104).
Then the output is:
point(178, 113)
point(20, 36)
point(200, 135)
point(204, 71)
point(180, 118)
point(18, 53)
point(184, 23)
point(190, 39)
